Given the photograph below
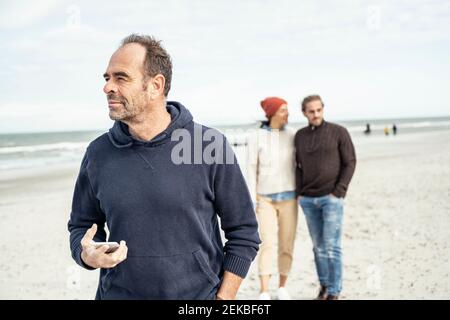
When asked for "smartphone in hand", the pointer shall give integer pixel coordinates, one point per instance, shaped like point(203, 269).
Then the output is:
point(113, 246)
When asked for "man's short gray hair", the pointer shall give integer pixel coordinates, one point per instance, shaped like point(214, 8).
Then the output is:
point(157, 60)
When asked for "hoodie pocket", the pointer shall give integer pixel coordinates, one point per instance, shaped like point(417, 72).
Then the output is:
point(180, 276)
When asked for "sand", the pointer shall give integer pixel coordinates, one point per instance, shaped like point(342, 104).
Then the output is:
point(395, 244)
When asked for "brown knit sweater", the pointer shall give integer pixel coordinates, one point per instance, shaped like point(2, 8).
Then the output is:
point(326, 160)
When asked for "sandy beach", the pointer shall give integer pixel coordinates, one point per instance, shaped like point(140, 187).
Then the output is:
point(395, 244)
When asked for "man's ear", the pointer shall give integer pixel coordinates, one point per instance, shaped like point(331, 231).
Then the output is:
point(158, 85)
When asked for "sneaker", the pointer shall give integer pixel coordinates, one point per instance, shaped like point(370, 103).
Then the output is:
point(283, 294)
point(322, 293)
point(264, 296)
point(332, 297)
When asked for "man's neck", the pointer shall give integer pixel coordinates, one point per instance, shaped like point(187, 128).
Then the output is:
point(150, 123)
point(313, 126)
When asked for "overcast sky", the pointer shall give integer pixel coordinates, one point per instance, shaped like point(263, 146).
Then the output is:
point(368, 59)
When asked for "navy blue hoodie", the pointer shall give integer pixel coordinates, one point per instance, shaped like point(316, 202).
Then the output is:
point(166, 212)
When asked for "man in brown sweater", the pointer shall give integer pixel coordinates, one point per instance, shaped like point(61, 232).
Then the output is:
point(326, 161)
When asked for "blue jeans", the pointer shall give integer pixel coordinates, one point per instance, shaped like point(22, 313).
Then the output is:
point(324, 217)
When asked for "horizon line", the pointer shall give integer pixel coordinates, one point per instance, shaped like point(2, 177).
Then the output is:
point(235, 124)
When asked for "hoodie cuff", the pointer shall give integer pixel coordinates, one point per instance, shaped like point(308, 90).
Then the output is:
point(236, 265)
point(78, 260)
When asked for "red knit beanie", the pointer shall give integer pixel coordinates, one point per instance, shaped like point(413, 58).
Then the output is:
point(271, 105)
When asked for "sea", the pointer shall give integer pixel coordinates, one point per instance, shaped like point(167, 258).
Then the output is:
point(27, 150)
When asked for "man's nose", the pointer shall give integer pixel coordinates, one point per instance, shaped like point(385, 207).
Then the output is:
point(109, 87)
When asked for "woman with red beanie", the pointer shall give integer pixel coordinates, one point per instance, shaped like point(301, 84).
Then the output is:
point(271, 180)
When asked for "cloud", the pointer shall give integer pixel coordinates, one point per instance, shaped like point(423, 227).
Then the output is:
point(228, 55)
point(53, 116)
point(21, 13)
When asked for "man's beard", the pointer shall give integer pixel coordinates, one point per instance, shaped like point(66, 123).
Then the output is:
point(126, 112)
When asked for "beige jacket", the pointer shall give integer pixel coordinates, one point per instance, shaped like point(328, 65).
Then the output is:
point(270, 161)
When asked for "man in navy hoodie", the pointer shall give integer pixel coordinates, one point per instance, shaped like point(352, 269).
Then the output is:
point(164, 211)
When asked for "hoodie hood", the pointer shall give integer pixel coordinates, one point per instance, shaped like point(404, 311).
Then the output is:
point(120, 136)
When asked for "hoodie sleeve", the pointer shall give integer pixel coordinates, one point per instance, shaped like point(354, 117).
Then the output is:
point(85, 212)
point(238, 220)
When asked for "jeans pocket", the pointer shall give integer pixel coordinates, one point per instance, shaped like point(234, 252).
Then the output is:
point(335, 200)
point(304, 200)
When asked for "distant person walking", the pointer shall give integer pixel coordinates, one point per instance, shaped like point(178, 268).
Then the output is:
point(386, 131)
point(367, 131)
point(394, 129)
point(271, 179)
point(326, 162)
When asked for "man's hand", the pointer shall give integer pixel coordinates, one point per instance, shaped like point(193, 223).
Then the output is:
point(229, 287)
point(98, 258)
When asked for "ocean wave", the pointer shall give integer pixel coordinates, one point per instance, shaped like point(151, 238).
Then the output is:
point(60, 146)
